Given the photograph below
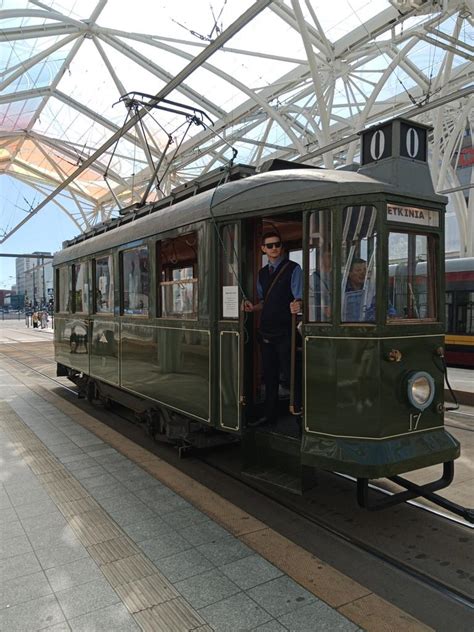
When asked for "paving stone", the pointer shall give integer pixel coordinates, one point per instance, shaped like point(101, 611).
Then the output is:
point(11, 529)
point(127, 500)
point(206, 588)
point(52, 556)
point(157, 492)
point(250, 571)
point(97, 451)
point(185, 517)
point(167, 503)
point(14, 546)
point(108, 491)
point(124, 516)
point(86, 441)
point(25, 496)
point(203, 533)
point(147, 592)
point(59, 627)
point(35, 508)
point(238, 612)
point(78, 507)
point(4, 500)
point(53, 518)
point(114, 618)
point(7, 514)
point(183, 565)
point(280, 596)
point(273, 626)
point(25, 588)
point(92, 531)
point(19, 565)
point(113, 550)
point(73, 574)
point(53, 535)
point(173, 616)
point(164, 545)
point(81, 463)
point(225, 550)
point(128, 569)
point(146, 529)
point(88, 472)
point(86, 598)
point(318, 616)
point(35, 614)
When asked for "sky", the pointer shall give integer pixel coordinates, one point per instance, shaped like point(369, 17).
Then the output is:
point(44, 232)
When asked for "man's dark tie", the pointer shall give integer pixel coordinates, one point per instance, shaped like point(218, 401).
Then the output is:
point(271, 270)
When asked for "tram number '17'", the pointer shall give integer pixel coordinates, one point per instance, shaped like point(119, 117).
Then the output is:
point(414, 421)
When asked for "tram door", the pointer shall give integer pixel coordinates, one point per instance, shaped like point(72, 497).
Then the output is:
point(230, 333)
point(289, 228)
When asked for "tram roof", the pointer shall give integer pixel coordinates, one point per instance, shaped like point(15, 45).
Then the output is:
point(263, 191)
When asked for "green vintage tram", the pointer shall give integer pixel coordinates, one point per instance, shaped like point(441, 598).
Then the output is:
point(148, 313)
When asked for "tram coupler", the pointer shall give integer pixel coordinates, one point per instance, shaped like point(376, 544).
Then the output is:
point(412, 490)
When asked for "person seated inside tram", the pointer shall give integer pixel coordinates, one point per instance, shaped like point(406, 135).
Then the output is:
point(356, 307)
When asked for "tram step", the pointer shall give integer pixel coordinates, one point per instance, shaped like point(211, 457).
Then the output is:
point(276, 460)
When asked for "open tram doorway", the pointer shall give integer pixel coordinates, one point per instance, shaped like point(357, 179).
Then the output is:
point(288, 229)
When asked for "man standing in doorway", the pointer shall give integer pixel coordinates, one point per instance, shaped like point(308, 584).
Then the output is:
point(280, 290)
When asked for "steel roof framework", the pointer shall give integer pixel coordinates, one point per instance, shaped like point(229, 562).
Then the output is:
point(413, 58)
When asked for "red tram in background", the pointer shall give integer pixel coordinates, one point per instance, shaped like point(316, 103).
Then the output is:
point(459, 303)
point(460, 312)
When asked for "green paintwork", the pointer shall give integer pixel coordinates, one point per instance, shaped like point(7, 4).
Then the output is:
point(377, 459)
point(229, 380)
point(71, 342)
point(352, 390)
point(167, 364)
point(105, 350)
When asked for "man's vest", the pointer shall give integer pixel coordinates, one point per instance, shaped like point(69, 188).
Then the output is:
point(276, 315)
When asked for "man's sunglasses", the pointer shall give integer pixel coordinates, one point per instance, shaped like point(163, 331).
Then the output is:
point(273, 244)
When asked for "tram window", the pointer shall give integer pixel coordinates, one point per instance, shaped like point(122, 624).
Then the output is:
point(80, 288)
point(104, 285)
point(178, 284)
point(358, 259)
point(464, 312)
point(449, 312)
point(63, 290)
point(412, 282)
point(135, 281)
point(229, 271)
point(320, 267)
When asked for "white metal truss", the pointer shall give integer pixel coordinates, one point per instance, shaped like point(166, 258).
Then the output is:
point(412, 58)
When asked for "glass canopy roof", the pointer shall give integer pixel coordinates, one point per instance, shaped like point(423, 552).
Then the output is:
point(293, 79)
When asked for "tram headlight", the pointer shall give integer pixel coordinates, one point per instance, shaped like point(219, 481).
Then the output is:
point(421, 389)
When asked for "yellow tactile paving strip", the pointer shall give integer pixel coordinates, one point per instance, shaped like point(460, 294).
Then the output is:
point(351, 599)
point(118, 558)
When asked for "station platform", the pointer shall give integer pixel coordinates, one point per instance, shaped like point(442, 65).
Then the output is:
point(98, 534)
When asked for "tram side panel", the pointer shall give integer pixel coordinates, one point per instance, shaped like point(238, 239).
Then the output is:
point(359, 420)
point(71, 342)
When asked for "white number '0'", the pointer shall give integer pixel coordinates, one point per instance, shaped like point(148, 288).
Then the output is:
point(379, 137)
point(413, 142)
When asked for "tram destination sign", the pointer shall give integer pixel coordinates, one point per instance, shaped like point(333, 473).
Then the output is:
point(412, 215)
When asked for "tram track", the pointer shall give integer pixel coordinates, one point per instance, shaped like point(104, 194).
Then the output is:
point(295, 505)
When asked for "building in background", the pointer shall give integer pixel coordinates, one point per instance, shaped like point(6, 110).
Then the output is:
point(34, 279)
